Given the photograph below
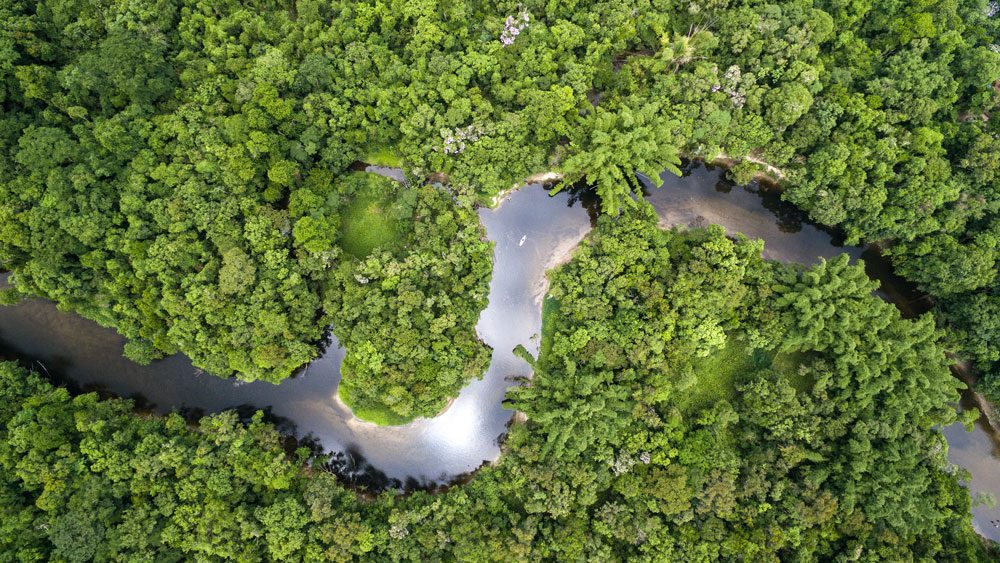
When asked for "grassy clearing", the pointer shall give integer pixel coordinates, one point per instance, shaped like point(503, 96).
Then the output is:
point(550, 312)
point(716, 376)
point(384, 156)
point(787, 363)
point(369, 413)
point(370, 222)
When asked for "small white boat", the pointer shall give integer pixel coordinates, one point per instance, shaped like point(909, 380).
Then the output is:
point(524, 238)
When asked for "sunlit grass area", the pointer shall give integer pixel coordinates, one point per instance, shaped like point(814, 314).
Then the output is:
point(550, 312)
point(383, 156)
point(370, 222)
point(716, 375)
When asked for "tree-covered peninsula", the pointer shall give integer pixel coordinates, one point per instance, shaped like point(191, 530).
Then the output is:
point(406, 300)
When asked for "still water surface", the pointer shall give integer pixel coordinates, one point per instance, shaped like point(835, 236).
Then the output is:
point(532, 232)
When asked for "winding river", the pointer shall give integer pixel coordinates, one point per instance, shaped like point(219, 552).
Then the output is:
point(532, 232)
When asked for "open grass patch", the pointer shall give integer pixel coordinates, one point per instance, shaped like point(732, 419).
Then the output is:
point(371, 221)
point(715, 375)
point(383, 156)
point(550, 312)
point(787, 364)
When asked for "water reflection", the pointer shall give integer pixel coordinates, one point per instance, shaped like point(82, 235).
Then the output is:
point(978, 452)
point(530, 232)
point(702, 196)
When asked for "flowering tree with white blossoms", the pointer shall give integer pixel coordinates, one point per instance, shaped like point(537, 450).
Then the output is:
point(455, 139)
point(513, 27)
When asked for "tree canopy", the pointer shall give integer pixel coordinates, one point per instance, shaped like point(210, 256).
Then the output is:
point(406, 311)
point(182, 171)
point(150, 153)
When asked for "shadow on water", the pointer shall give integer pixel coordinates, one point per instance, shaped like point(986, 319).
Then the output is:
point(584, 195)
point(978, 453)
point(353, 469)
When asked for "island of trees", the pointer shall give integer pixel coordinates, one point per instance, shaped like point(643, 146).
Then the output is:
point(183, 171)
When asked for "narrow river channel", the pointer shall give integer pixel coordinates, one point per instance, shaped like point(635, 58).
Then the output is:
point(532, 232)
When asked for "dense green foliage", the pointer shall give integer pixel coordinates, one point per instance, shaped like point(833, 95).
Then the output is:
point(150, 150)
point(407, 316)
point(169, 170)
point(180, 170)
point(834, 457)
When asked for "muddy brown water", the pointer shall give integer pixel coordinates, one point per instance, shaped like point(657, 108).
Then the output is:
point(532, 232)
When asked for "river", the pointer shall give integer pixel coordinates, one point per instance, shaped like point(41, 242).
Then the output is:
point(532, 232)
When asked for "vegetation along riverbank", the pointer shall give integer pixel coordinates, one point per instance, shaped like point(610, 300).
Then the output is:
point(820, 425)
point(182, 171)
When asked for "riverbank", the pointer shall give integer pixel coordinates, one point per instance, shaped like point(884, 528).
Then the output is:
point(381, 417)
point(771, 175)
point(964, 371)
point(543, 178)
